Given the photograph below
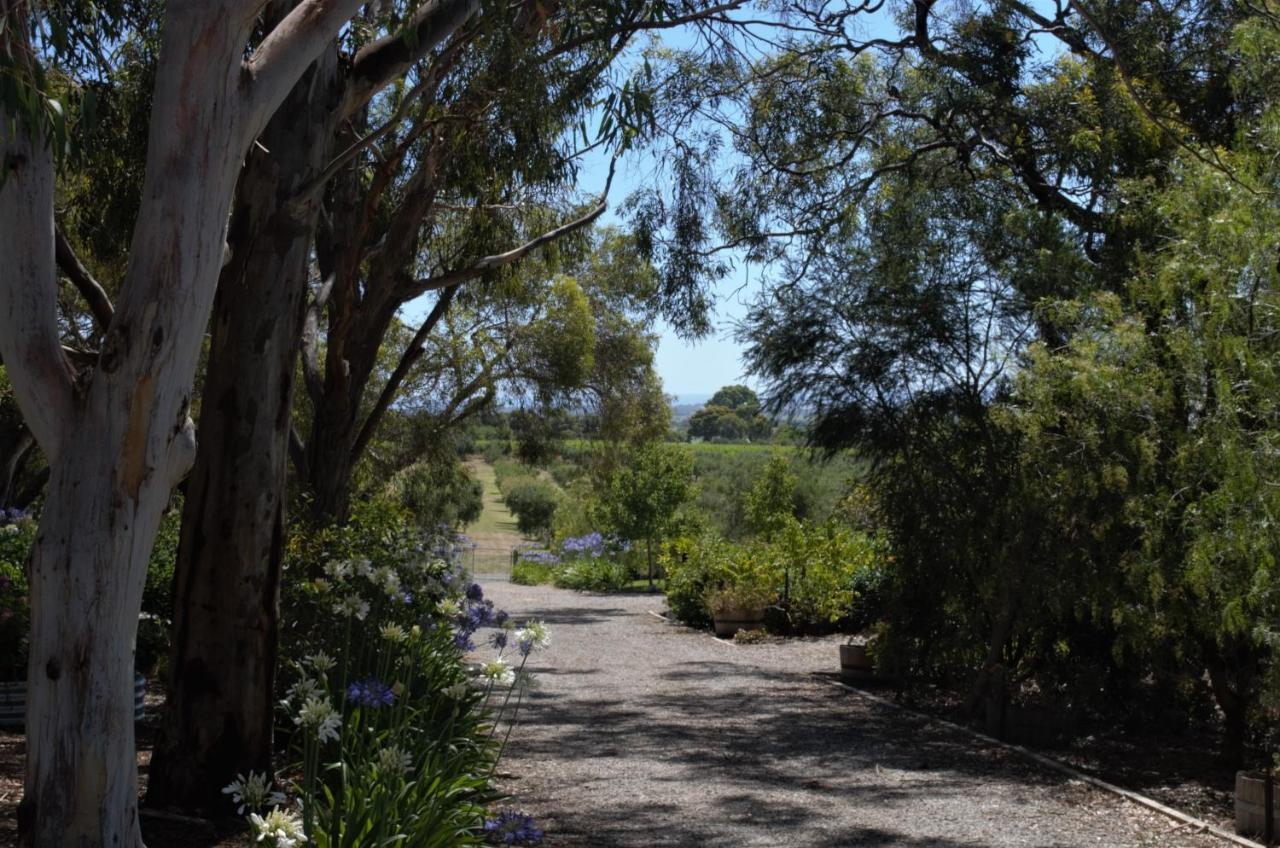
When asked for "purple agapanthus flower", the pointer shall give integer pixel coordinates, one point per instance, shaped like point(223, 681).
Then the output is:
point(500, 618)
point(462, 641)
point(370, 693)
point(474, 592)
point(511, 827)
point(592, 544)
point(499, 639)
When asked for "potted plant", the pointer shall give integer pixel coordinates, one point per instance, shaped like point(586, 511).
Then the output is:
point(738, 606)
point(856, 661)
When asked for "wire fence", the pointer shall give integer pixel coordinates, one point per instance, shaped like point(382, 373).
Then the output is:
point(489, 561)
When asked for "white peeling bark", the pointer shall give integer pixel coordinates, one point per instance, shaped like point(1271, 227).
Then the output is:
point(119, 442)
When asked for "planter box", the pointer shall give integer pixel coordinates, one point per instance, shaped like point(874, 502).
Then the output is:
point(1250, 809)
point(13, 701)
point(731, 621)
point(855, 663)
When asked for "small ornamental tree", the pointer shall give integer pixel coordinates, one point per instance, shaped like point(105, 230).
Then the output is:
point(770, 505)
point(643, 497)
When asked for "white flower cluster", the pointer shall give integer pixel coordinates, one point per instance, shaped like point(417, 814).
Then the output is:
point(319, 716)
point(497, 672)
point(277, 829)
point(393, 761)
point(534, 634)
point(253, 792)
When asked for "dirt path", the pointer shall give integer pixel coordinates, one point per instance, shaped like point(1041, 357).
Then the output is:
point(643, 733)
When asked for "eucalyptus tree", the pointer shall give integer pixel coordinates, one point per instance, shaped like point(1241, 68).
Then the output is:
point(117, 435)
point(220, 711)
point(434, 151)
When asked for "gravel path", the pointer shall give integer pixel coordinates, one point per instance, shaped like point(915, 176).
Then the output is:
point(643, 733)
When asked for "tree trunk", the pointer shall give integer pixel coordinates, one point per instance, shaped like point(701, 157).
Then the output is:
point(118, 442)
point(219, 715)
point(1231, 680)
point(648, 543)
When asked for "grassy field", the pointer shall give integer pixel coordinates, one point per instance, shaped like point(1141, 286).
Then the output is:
point(496, 520)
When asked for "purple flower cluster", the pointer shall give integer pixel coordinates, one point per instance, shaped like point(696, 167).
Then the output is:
point(12, 516)
point(512, 828)
point(476, 613)
point(540, 557)
point(591, 545)
point(370, 693)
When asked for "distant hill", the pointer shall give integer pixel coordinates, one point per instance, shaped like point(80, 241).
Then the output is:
point(683, 406)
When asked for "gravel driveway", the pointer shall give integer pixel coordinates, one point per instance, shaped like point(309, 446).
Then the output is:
point(643, 733)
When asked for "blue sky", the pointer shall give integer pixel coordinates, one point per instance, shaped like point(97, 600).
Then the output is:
point(689, 370)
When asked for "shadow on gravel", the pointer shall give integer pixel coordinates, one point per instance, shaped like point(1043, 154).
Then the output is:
point(561, 616)
point(755, 739)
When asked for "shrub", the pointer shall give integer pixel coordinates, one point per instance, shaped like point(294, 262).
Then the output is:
point(595, 574)
point(534, 504)
point(439, 492)
point(534, 568)
point(397, 735)
point(815, 571)
point(17, 533)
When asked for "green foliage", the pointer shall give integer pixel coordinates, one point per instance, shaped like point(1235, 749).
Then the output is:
point(527, 572)
point(770, 505)
point(642, 498)
point(439, 492)
point(814, 573)
point(17, 534)
point(593, 574)
point(534, 503)
point(732, 415)
point(373, 607)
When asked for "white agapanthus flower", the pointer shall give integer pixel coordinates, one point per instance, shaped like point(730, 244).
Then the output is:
point(364, 568)
point(352, 605)
point(449, 608)
point(301, 691)
point(321, 662)
point(393, 633)
point(278, 828)
point(533, 635)
point(319, 716)
point(498, 672)
point(387, 578)
point(393, 761)
point(457, 691)
point(338, 569)
point(252, 792)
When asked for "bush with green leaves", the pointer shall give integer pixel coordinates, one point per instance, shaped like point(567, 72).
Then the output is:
point(811, 572)
point(593, 574)
point(534, 503)
point(397, 734)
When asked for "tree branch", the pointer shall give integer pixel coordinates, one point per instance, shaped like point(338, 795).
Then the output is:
point(89, 288)
point(407, 360)
point(382, 61)
point(500, 260)
point(30, 343)
point(293, 44)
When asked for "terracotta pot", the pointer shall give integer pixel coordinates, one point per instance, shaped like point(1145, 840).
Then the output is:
point(730, 621)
